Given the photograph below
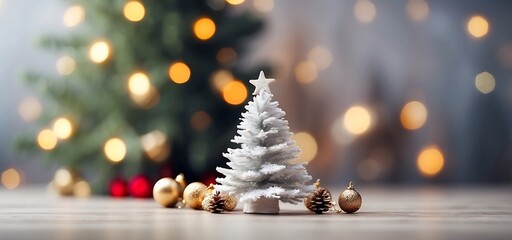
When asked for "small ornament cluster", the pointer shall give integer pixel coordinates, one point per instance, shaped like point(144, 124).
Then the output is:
point(170, 193)
point(68, 182)
point(320, 201)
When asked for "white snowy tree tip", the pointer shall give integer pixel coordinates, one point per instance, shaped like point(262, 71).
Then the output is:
point(261, 83)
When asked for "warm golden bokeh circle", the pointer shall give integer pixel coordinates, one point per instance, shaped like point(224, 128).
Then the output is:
point(478, 26)
point(139, 84)
point(115, 150)
point(63, 128)
point(204, 28)
point(234, 93)
point(179, 72)
point(357, 120)
point(46, 139)
point(485, 82)
point(430, 161)
point(134, 11)
point(99, 51)
point(413, 115)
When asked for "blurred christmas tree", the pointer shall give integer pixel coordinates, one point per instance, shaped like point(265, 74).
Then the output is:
point(145, 87)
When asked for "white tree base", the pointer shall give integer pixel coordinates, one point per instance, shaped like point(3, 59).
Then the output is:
point(262, 206)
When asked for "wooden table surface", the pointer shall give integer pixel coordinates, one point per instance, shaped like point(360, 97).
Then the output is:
point(387, 213)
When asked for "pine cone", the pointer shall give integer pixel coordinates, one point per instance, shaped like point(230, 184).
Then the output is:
point(319, 201)
point(216, 203)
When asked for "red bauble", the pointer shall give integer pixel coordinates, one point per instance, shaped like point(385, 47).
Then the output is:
point(141, 187)
point(118, 188)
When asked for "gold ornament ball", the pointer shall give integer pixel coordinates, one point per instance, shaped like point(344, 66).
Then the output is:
point(81, 189)
point(230, 202)
point(64, 181)
point(181, 181)
point(166, 192)
point(350, 200)
point(194, 194)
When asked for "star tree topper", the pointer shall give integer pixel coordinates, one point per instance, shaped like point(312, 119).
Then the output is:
point(261, 84)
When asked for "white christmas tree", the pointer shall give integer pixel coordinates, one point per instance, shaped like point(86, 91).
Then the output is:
point(262, 171)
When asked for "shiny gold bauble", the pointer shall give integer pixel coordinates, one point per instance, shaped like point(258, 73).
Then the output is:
point(181, 181)
point(350, 200)
point(230, 202)
point(194, 194)
point(64, 181)
point(166, 192)
point(81, 189)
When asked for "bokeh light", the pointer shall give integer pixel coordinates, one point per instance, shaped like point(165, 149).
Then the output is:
point(115, 150)
point(99, 51)
point(235, 2)
point(63, 178)
point(417, 9)
point(200, 121)
point(357, 120)
point(81, 189)
point(138, 84)
point(485, 82)
point(73, 16)
point(204, 28)
point(221, 78)
point(226, 56)
point(430, 161)
point(321, 56)
point(365, 11)
point(234, 93)
point(306, 72)
point(11, 178)
point(478, 26)
point(414, 115)
point(148, 100)
point(155, 146)
point(179, 72)
point(62, 128)
point(309, 148)
point(30, 109)
point(134, 11)
point(46, 139)
point(65, 65)
point(263, 6)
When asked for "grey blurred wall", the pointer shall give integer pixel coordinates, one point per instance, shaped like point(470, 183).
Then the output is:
point(21, 23)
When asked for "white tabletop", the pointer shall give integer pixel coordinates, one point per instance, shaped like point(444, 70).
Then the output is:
point(387, 213)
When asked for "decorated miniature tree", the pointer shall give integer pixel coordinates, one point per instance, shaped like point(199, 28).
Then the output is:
point(262, 172)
